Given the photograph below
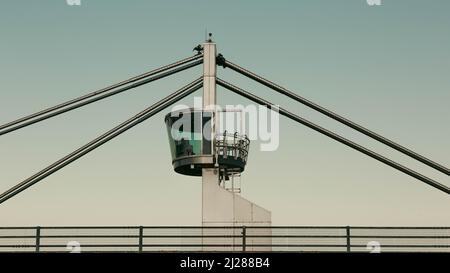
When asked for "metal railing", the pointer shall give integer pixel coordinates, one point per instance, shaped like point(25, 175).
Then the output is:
point(232, 145)
point(238, 238)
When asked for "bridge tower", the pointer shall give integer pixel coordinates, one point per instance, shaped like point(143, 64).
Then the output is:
point(199, 148)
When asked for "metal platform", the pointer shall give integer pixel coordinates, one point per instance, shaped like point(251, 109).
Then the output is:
point(192, 151)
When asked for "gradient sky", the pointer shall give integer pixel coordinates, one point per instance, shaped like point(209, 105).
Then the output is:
point(385, 67)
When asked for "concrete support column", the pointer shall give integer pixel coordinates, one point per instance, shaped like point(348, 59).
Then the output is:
point(221, 207)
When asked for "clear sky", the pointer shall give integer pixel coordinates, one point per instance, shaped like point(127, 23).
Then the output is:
point(386, 67)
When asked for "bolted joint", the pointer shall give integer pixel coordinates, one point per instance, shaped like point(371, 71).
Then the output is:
point(221, 61)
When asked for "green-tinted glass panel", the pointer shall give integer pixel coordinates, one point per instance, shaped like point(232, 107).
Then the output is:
point(184, 133)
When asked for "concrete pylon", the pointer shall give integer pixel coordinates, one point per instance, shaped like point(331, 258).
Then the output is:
point(221, 207)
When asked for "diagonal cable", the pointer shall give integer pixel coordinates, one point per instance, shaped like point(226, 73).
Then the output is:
point(101, 94)
point(335, 136)
point(128, 124)
point(227, 64)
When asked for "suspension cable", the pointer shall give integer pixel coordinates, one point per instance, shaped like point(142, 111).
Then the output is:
point(99, 92)
point(225, 63)
point(97, 98)
point(128, 124)
point(335, 136)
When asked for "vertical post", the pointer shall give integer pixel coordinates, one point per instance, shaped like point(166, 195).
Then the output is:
point(210, 176)
point(38, 238)
point(209, 89)
point(244, 238)
point(141, 238)
point(209, 74)
point(347, 229)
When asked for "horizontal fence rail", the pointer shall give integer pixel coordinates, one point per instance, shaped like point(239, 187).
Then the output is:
point(224, 238)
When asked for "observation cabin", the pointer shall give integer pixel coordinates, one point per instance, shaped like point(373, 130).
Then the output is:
point(194, 145)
